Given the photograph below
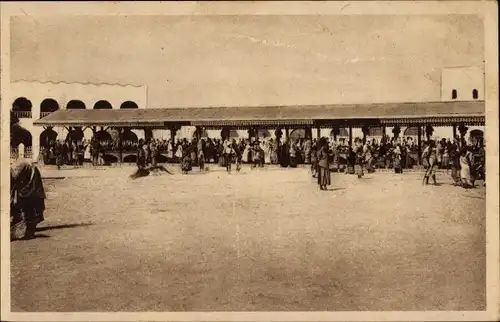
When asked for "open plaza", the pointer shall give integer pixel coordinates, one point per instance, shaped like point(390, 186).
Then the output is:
point(259, 240)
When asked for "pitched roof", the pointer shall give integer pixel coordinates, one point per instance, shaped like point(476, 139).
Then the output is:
point(254, 115)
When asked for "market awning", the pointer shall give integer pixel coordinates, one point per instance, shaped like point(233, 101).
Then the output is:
point(385, 113)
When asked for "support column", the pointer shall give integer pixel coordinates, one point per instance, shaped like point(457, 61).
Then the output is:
point(120, 150)
point(454, 131)
point(148, 134)
point(334, 130)
point(350, 135)
point(318, 132)
point(419, 144)
point(252, 133)
point(198, 132)
point(173, 131)
point(287, 134)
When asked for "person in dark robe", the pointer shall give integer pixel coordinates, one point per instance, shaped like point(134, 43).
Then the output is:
point(314, 160)
point(397, 159)
point(186, 164)
point(228, 153)
point(293, 153)
point(455, 163)
point(201, 154)
point(255, 155)
point(351, 160)
point(27, 202)
point(360, 159)
point(284, 158)
point(220, 153)
point(58, 151)
point(324, 177)
point(141, 155)
point(262, 155)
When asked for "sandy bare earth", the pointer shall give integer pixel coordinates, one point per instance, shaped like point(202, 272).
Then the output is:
point(257, 241)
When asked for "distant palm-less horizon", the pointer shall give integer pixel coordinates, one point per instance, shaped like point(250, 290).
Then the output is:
point(250, 60)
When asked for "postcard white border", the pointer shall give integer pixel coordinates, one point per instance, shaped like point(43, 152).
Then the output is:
point(487, 9)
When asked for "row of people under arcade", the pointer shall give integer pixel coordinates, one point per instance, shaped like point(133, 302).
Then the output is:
point(271, 151)
point(388, 152)
point(72, 152)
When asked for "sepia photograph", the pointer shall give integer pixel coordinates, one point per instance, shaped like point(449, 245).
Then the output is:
point(238, 157)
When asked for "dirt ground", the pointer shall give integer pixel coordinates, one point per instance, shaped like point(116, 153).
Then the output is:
point(260, 240)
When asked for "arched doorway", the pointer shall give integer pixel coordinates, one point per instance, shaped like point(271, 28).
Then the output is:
point(476, 137)
point(103, 105)
point(263, 133)
point(297, 134)
point(129, 140)
point(103, 136)
point(48, 106)
point(22, 107)
point(341, 132)
point(376, 131)
point(410, 132)
point(233, 134)
point(129, 105)
point(20, 135)
point(75, 134)
point(48, 137)
point(75, 105)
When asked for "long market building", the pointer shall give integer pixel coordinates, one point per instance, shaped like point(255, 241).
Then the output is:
point(457, 115)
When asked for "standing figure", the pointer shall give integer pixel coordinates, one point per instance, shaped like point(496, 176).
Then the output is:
point(293, 153)
point(255, 152)
point(68, 154)
point(367, 151)
point(228, 154)
point(262, 154)
point(141, 155)
point(275, 145)
point(58, 151)
point(466, 162)
point(351, 161)
point(358, 166)
point(186, 165)
point(455, 163)
point(307, 150)
point(446, 155)
point(74, 153)
point(397, 159)
point(439, 154)
point(430, 155)
point(179, 153)
point(201, 154)
point(324, 178)
point(237, 148)
point(27, 198)
point(314, 161)
point(154, 153)
point(194, 152)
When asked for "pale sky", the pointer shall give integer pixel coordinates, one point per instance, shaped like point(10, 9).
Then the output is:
point(250, 60)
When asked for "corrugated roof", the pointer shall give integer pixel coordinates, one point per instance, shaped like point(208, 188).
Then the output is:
point(244, 114)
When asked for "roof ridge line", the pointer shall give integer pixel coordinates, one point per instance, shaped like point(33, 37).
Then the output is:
point(76, 83)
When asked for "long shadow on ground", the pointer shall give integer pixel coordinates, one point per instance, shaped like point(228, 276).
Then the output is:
point(62, 226)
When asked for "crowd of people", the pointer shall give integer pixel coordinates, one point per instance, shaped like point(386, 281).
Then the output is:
point(69, 152)
point(364, 155)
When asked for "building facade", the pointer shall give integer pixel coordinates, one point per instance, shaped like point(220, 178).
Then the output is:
point(34, 100)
